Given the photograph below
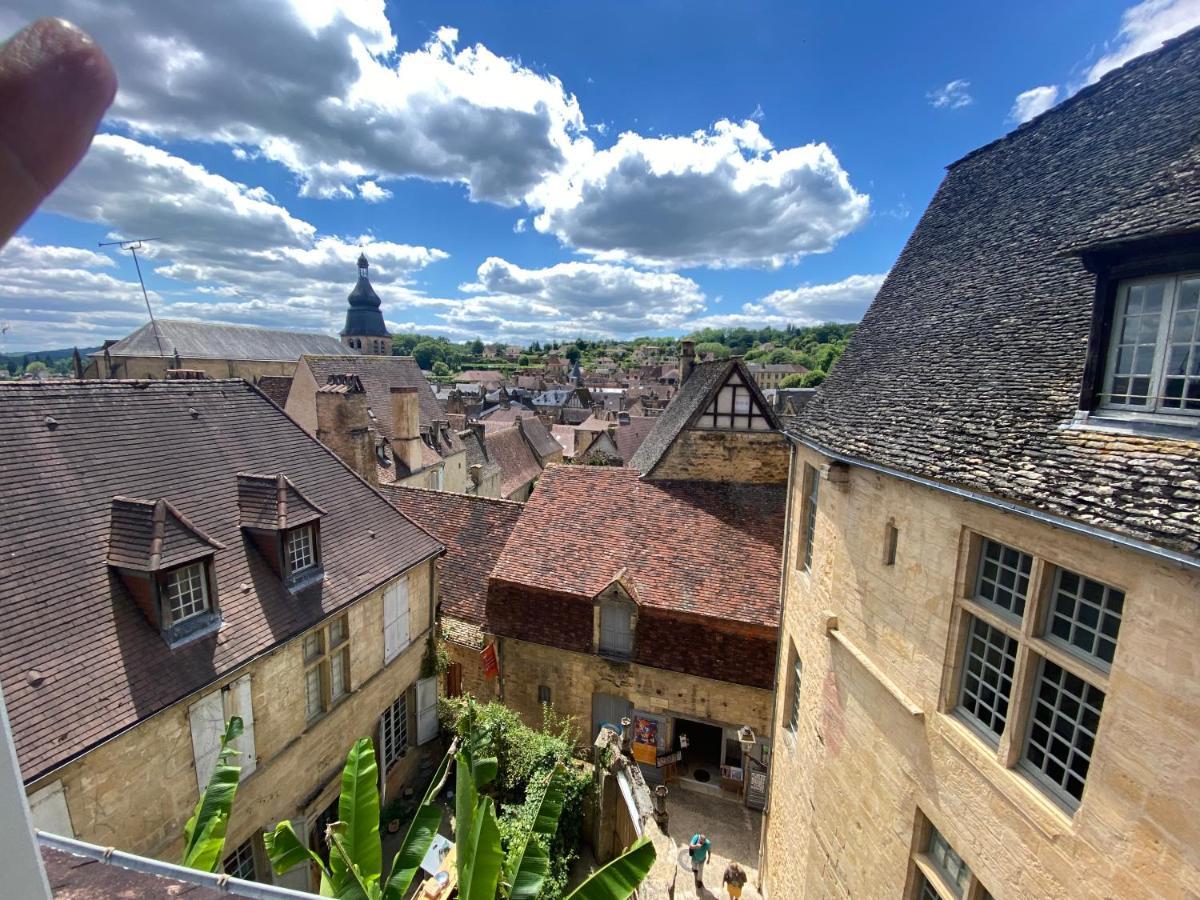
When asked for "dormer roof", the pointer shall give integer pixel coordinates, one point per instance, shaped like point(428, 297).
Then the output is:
point(152, 535)
point(273, 502)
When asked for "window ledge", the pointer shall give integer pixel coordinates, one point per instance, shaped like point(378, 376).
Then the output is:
point(1179, 428)
point(614, 657)
point(192, 630)
point(304, 580)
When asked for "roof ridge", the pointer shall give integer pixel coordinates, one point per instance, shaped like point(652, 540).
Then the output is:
point(1086, 91)
point(472, 497)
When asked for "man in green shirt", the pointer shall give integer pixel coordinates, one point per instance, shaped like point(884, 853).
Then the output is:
point(699, 848)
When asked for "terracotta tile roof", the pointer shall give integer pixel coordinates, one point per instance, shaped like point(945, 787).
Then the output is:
point(629, 436)
point(691, 400)
point(205, 340)
point(705, 548)
point(276, 387)
point(967, 367)
point(518, 464)
point(474, 530)
point(78, 659)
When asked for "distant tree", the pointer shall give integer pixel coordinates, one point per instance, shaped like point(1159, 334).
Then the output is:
point(781, 357)
point(535, 347)
point(573, 354)
point(720, 351)
point(794, 381)
point(36, 369)
point(524, 360)
point(477, 347)
point(440, 368)
point(812, 379)
point(581, 343)
point(427, 352)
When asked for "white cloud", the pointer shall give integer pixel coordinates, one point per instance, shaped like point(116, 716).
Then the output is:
point(808, 304)
point(519, 225)
point(571, 299)
point(724, 197)
point(1144, 27)
point(229, 252)
point(321, 89)
point(372, 192)
point(952, 95)
point(1033, 102)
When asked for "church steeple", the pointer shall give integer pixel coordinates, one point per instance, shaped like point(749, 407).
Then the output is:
point(365, 330)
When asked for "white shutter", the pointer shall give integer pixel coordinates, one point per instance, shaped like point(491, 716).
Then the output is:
point(207, 718)
point(239, 703)
point(391, 639)
point(48, 808)
point(427, 723)
point(402, 627)
point(298, 878)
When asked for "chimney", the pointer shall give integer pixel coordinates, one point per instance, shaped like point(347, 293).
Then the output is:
point(343, 424)
point(406, 427)
point(687, 359)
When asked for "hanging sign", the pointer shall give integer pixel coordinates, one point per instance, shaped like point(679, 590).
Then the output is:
point(491, 665)
point(668, 759)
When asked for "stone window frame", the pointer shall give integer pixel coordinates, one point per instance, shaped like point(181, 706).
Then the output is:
point(1034, 648)
point(320, 649)
point(928, 878)
point(891, 538)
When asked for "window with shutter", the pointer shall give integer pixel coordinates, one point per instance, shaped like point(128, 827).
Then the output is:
point(427, 721)
point(207, 719)
point(396, 629)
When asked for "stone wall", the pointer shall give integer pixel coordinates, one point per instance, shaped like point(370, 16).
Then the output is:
point(754, 457)
point(574, 677)
point(137, 791)
point(850, 787)
point(156, 367)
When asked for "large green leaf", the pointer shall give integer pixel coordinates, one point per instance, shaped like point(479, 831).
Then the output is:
point(355, 885)
point(417, 841)
point(465, 800)
point(286, 851)
point(358, 811)
point(528, 861)
point(204, 833)
point(620, 877)
point(479, 856)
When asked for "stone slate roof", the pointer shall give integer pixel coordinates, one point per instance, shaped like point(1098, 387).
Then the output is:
point(205, 340)
point(516, 459)
point(691, 400)
point(474, 530)
point(79, 661)
point(629, 437)
point(585, 525)
point(379, 374)
point(542, 442)
point(276, 387)
point(967, 367)
point(153, 535)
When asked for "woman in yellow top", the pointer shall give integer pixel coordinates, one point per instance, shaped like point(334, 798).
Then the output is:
point(735, 878)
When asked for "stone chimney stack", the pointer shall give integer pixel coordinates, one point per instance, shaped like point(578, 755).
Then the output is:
point(343, 424)
point(406, 427)
point(687, 359)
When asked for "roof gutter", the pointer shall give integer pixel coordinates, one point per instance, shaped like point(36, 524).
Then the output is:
point(1161, 554)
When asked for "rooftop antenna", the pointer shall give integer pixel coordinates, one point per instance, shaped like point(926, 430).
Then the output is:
point(133, 247)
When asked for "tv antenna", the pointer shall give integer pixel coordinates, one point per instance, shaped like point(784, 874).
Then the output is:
point(133, 247)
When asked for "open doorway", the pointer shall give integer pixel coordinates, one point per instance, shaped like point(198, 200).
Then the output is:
point(700, 760)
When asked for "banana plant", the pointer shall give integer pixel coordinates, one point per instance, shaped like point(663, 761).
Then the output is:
point(354, 870)
point(204, 833)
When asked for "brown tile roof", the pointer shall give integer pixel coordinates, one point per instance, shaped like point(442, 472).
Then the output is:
point(474, 530)
point(152, 535)
point(274, 502)
point(629, 436)
point(704, 548)
point(518, 464)
point(542, 442)
point(74, 877)
point(276, 387)
point(78, 659)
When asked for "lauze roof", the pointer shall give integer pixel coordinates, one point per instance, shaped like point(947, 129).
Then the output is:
point(704, 548)
point(967, 367)
point(204, 340)
point(141, 474)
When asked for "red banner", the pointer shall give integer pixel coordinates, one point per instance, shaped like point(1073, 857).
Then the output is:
point(491, 665)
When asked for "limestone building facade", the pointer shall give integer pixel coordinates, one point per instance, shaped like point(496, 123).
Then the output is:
point(986, 675)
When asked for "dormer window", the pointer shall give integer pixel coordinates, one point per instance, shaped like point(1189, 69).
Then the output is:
point(1153, 361)
point(301, 549)
point(187, 593)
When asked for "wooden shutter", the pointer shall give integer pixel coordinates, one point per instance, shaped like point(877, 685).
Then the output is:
point(239, 703)
point(427, 723)
point(48, 809)
point(395, 619)
point(207, 719)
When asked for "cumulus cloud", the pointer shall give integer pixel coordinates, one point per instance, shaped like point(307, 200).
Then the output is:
point(229, 252)
point(952, 95)
point(723, 197)
point(321, 89)
point(1033, 102)
point(570, 299)
point(1144, 27)
point(808, 304)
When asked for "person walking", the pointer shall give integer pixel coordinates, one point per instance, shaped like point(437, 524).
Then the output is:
point(734, 880)
point(700, 848)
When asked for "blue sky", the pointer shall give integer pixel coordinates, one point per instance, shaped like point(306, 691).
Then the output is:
point(532, 170)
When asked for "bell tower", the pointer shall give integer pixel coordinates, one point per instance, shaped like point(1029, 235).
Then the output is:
point(365, 331)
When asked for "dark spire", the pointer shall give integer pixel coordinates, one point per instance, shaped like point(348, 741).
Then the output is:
point(363, 318)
